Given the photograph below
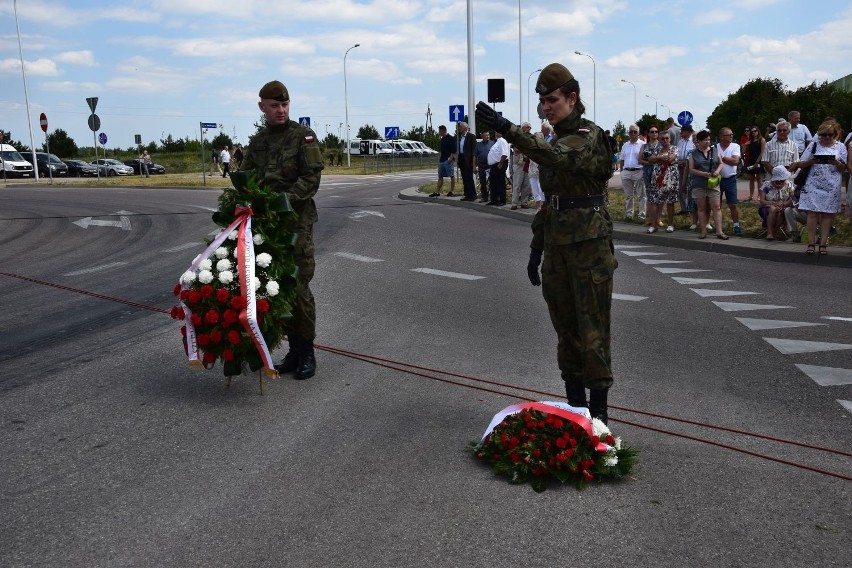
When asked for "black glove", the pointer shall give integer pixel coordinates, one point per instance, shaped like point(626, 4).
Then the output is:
point(532, 267)
point(489, 117)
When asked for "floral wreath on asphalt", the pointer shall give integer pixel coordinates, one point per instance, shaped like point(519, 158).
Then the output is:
point(236, 294)
point(538, 441)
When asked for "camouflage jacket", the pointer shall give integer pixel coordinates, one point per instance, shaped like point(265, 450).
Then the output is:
point(577, 163)
point(288, 159)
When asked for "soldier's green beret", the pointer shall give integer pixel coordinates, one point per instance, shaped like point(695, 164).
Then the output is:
point(274, 90)
point(551, 78)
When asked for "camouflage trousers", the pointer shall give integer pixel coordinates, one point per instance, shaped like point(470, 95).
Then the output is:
point(576, 281)
point(304, 319)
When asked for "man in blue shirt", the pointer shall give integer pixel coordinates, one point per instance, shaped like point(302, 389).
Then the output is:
point(481, 163)
point(446, 162)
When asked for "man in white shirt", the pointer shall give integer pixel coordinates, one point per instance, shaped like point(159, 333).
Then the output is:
point(729, 153)
point(225, 159)
point(799, 133)
point(498, 157)
point(685, 146)
point(631, 174)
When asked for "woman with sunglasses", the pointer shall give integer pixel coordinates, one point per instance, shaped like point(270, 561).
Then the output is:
point(664, 185)
point(821, 193)
point(650, 148)
point(704, 163)
point(753, 151)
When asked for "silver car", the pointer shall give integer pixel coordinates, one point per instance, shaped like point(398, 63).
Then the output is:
point(110, 167)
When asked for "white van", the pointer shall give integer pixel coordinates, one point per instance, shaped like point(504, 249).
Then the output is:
point(360, 147)
point(13, 163)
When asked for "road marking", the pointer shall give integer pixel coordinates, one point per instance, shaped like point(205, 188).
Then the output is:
point(847, 404)
point(86, 222)
point(184, 246)
point(758, 324)
point(357, 257)
point(708, 293)
point(205, 207)
point(642, 253)
point(735, 307)
point(680, 270)
point(95, 269)
point(447, 274)
point(682, 280)
point(661, 261)
point(791, 346)
point(827, 376)
point(835, 318)
point(620, 247)
point(360, 214)
point(628, 297)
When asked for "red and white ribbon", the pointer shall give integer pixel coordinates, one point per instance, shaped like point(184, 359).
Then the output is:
point(578, 415)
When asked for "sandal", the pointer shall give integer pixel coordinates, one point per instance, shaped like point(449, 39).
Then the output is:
point(702, 236)
point(810, 249)
point(823, 250)
point(722, 236)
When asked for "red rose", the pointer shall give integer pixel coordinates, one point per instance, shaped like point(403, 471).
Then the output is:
point(532, 437)
point(177, 289)
point(514, 442)
point(206, 291)
point(569, 453)
point(561, 457)
point(227, 355)
point(541, 424)
point(223, 296)
point(263, 306)
point(557, 423)
point(531, 424)
point(175, 311)
point(496, 456)
point(536, 453)
point(610, 440)
point(586, 464)
point(208, 358)
point(595, 440)
point(588, 475)
point(183, 331)
point(211, 317)
point(215, 336)
point(234, 337)
point(515, 457)
point(238, 303)
point(561, 443)
point(184, 294)
point(193, 297)
point(202, 339)
point(230, 316)
point(195, 319)
point(552, 462)
point(504, 439)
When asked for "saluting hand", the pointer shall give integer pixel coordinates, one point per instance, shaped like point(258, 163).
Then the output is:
point(488, 116)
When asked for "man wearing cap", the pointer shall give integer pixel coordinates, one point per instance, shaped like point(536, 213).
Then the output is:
point(287, 157)
point(572, 234)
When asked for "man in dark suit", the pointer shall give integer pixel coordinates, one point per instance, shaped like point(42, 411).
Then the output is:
point(467, 147)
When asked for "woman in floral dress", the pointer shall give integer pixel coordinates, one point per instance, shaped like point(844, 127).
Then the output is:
point(821, 194)
point(665, 181)
point(649, 148)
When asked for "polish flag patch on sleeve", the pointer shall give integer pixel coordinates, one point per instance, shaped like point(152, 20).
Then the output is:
point(583, 131)
point(309, 139)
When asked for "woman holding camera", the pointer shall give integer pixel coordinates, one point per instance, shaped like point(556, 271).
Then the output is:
point(821, 192)
point(753, 151)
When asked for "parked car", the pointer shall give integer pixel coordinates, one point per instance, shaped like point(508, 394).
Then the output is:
point(110, 167)
point(13, 163)
point(49, 164)
point(80, 168)
point(152, 167)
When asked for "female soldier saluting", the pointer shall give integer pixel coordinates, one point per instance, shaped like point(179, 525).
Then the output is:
point(574, 231)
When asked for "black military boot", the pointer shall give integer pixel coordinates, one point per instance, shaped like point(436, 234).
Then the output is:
point(597, 404)
point(291, 359)
point(576, 394)
point(307, 361)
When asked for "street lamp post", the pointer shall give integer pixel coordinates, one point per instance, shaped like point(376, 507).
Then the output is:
point(528, 92)
point(667, 108)
point(634, 97)
point(656, 109)
point(346, 105)
point(594, 87)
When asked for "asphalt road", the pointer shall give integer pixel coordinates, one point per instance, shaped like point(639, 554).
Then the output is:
point(115, 453)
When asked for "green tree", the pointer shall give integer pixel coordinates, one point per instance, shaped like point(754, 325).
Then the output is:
point(647, 121)
point(758, 102)
point(331, 141)
point(221, 140)
point(619, 131)
point(61, 144)
point(169, 144)
point(368, 132)
point(6, 138)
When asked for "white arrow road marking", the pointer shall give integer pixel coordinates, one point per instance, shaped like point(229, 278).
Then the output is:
point(357, 257)
point(360, 214)
point(708, 293)
point(735, 307)
point(665, 270)
point(827, 376)
point(642, 253)
point(184, 246)
point(661, 261)
point(790, 346)
point(836, 318)
point(682, 280)
point(628, 297)
point(204, 207)
point(621, 247)
point(123, 222)
point(847, 404)
point(447, 274)
point(95, 269)
point(759, 324)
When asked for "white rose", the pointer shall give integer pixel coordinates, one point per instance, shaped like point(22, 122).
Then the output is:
point(272, 288)
point(611, 461)
point(226, 277)
point(221, 252)
point(256, 283)
point(233, 236)
point(206, 264)
point(264, 259)
point(188, 277)
point(599, 428)
point(258, 240)
point(223, 264)
point(205, 277)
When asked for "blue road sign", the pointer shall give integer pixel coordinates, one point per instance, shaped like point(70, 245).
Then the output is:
point(684, 118)
point(208, 125)
point(102, 138)
point(305, 121)
point(391, 132)
point(457, 113)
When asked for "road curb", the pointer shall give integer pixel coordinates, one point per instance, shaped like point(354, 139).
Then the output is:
point(840, 257)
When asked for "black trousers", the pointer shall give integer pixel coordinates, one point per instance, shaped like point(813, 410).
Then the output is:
point(497, 184)
point(483, 180)
point(466, 171)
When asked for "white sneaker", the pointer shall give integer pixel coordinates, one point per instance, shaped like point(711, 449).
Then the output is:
point(693, 227)
point(709, 227)
point(670, 229)
point(652, 230)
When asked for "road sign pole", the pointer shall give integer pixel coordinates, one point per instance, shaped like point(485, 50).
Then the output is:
point(203, 172)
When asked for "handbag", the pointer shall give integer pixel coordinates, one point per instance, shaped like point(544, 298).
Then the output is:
point(713, 181)
point(802, 175)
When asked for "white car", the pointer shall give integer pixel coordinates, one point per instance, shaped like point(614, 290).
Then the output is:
point(110, 167)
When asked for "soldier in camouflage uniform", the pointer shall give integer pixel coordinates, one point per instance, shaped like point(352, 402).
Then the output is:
point(573, 231)
point(287, 157)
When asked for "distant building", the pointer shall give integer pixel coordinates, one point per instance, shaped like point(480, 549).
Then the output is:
point(843, 84)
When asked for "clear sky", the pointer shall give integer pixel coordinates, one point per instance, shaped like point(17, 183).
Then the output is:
point(160, 67)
